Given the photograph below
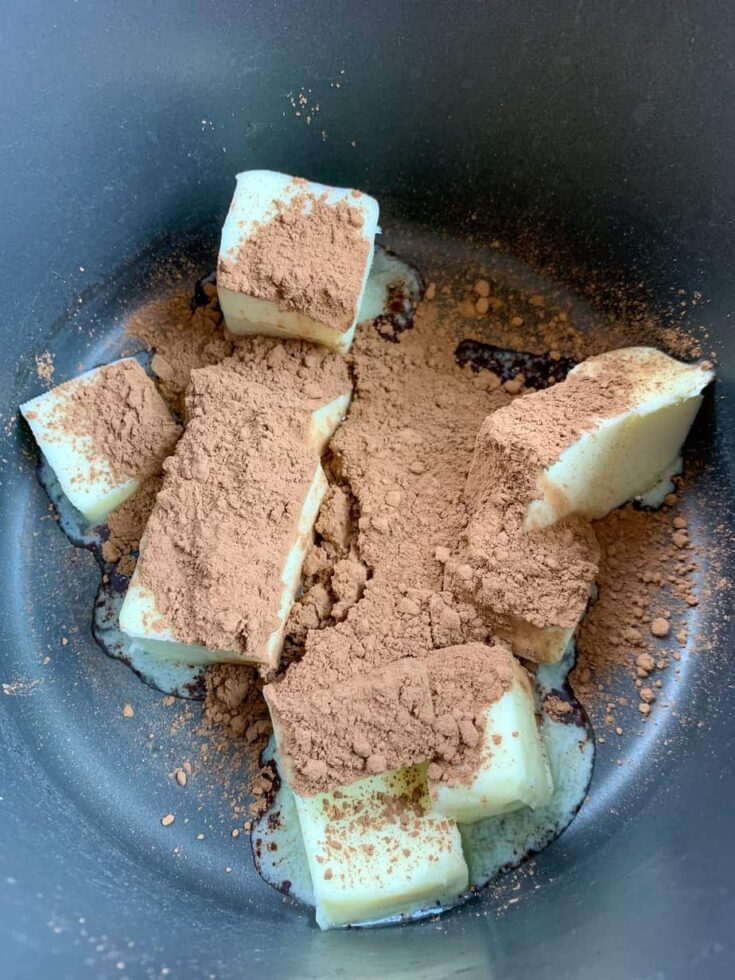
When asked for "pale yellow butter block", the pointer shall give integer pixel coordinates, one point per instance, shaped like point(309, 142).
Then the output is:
point(376, 849)
point(513, 770)
point(260, 197)
point(144, 623)
point(85, 474)
point(628, 454)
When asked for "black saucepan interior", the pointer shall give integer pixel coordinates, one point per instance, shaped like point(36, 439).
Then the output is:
point(593, 141)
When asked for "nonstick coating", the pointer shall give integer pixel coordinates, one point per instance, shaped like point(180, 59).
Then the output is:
point(593, 136)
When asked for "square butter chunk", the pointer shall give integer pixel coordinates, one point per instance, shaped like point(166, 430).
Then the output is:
point(512, 770)
point(612, 431)
point(102, 434)
point(294, 258)
point(376, 849)
point(222, 554)
point(548, 463)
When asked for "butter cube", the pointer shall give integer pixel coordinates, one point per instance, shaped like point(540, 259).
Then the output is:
point(612, 431)
point(101, 456)
point(267, 520)
point(376, 849)
point(141, 620)
point(294, 258)
point(513, 769)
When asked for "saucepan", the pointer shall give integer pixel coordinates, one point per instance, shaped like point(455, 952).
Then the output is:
point(595, 142)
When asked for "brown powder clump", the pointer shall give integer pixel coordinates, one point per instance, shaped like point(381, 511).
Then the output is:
point(236, 725)
point(227, 515)
point(127, 522)
point(129, 423)
point(45, 366)
point(185, 339)
point(233, 701)
point(542, 577)
point(309, 258)
point(182, 338)
point(409, 710)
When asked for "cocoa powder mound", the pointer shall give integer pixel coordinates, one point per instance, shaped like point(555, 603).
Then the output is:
point(403, 454)
point(431, 706)
point(127, 522)
point(227, 513)
point(184, 339)
point(309, 258)
point(126, 420)
point(541, 577)
point(233, 702)
point(295, 375)
point(181, 338)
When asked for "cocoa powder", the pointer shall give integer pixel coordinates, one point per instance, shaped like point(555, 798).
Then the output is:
point(644, 579)
point(180, 337)
point(184, 339)
point(127, 522)
point(403, 455)
point(430, 706)
point(408, 614)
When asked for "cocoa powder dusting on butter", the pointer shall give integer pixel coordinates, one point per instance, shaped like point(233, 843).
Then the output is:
point(403, 455)
point(309, 258)
point(127, 522)
point(386, 531)
point(226, 515)
point(126, 420)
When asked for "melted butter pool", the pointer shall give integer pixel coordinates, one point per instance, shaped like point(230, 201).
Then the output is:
point(171, 678)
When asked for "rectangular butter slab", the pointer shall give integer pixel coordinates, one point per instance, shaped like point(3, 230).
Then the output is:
point(376, 849)
point(85, 474)
point(260, 196)
point(513, 770)
point(142, 621)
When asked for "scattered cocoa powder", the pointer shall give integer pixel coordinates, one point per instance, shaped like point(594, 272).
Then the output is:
point(642, 574)
point(557, 708)
point(45, 366)
point(309, 258)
